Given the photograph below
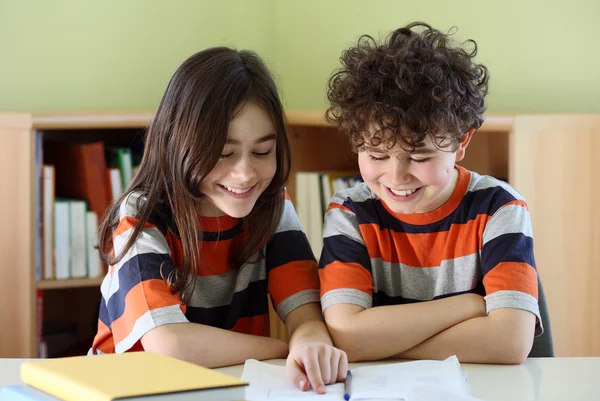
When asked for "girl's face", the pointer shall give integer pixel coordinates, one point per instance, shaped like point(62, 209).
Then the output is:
point(246, 168)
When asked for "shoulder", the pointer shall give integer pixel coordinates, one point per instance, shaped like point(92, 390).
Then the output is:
point(289, 219)
point(486, 182)
point(356, 195)
point(349, 208)
point(491, 193)
point(132, 205)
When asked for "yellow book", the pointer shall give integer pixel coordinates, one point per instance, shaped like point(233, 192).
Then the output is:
point(133, 375)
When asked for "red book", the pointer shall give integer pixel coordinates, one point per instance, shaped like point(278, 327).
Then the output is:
point(80, 172)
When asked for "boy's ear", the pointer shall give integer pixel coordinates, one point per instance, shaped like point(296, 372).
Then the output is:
point(462, 147)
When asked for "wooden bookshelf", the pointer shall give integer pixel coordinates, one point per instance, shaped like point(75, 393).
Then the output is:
point(72, 283)
point(316, 146)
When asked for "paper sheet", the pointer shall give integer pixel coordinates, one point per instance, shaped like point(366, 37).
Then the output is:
point(416, 380)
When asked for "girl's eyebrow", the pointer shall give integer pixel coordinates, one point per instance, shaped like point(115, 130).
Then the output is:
point(265, 138)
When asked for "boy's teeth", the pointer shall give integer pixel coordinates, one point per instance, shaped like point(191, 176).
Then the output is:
point(237, 191)
point(402, 193)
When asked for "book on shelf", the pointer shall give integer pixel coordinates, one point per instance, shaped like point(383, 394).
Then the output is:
point(314, 191)
point(38, 240)
point(115, 183)
point(131, 375)
point(120, 157)
point(42, 351)
point(80, 172)
point(94, 264)
point(48, 222)
point(309, 209)
point(70, 244)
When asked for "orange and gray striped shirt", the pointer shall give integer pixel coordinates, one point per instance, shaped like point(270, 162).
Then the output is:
point(479, 241)
point(136, 299)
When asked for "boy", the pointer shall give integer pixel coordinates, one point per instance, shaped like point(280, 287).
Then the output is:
point(421, 228)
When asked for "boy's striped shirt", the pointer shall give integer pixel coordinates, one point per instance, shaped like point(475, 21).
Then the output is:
point(136, 298)
point(479, 241)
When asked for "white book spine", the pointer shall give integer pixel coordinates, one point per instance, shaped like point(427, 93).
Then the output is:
point(48, 213)
point(78, 239)
point(62, 240)
point(94, 263)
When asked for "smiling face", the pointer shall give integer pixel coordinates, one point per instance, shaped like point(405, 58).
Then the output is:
point(246, 167)
point(417, 182)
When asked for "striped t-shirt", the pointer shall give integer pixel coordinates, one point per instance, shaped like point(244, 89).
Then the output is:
point(479, 241)
point(136, 299)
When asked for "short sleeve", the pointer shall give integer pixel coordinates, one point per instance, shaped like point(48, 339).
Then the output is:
point(135, 297)
point(508, 263)
point(345, 266)
point(291, 266)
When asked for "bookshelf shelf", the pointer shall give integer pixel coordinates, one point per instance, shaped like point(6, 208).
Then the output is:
point(72, 283)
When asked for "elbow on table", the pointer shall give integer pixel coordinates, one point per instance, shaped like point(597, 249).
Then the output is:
point(514, 353)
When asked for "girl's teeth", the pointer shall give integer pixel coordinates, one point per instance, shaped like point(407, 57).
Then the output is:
point(402, 193)
point(238, 191)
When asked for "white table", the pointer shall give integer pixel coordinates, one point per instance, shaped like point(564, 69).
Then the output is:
point(538, 379)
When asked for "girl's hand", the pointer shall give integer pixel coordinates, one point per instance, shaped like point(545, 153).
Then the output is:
point(315, 365)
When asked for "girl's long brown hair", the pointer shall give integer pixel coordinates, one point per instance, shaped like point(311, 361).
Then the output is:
point(183, 144)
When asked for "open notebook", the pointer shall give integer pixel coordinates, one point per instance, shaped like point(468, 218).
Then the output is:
point(416, 380)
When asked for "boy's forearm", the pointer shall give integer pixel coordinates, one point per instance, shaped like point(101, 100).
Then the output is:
point(212, 347)
point(384, 331)
point(503, 338)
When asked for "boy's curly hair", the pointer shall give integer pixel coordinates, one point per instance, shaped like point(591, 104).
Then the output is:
point(416, 83)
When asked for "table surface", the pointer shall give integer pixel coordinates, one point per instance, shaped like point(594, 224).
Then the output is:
point(537, 379)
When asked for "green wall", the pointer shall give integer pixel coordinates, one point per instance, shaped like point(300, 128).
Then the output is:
point(113, 54)
point(543, 56)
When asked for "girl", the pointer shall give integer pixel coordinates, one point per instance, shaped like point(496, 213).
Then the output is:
point(205, 231)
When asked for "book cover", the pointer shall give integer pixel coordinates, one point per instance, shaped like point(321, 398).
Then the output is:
point(134, 374)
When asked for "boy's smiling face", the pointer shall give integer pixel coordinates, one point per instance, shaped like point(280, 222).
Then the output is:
point(417, 182)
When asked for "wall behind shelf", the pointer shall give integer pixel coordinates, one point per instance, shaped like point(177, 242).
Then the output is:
point(113, 55)
point(543, 56)
point(119, 55)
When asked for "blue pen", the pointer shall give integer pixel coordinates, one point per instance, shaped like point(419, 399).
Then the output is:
point(347, 386)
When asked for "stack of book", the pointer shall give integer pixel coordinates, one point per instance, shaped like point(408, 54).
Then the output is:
point(131, 376)
point(79, 181)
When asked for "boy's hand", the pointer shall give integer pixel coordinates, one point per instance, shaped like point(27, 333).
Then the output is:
point(316, 365)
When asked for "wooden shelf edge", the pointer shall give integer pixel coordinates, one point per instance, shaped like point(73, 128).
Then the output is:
point(497, 123)
point(83, 120)
point(307, 117)
point(92, 120)
point(15, 120)
point(71, 283)
point(492, 123)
